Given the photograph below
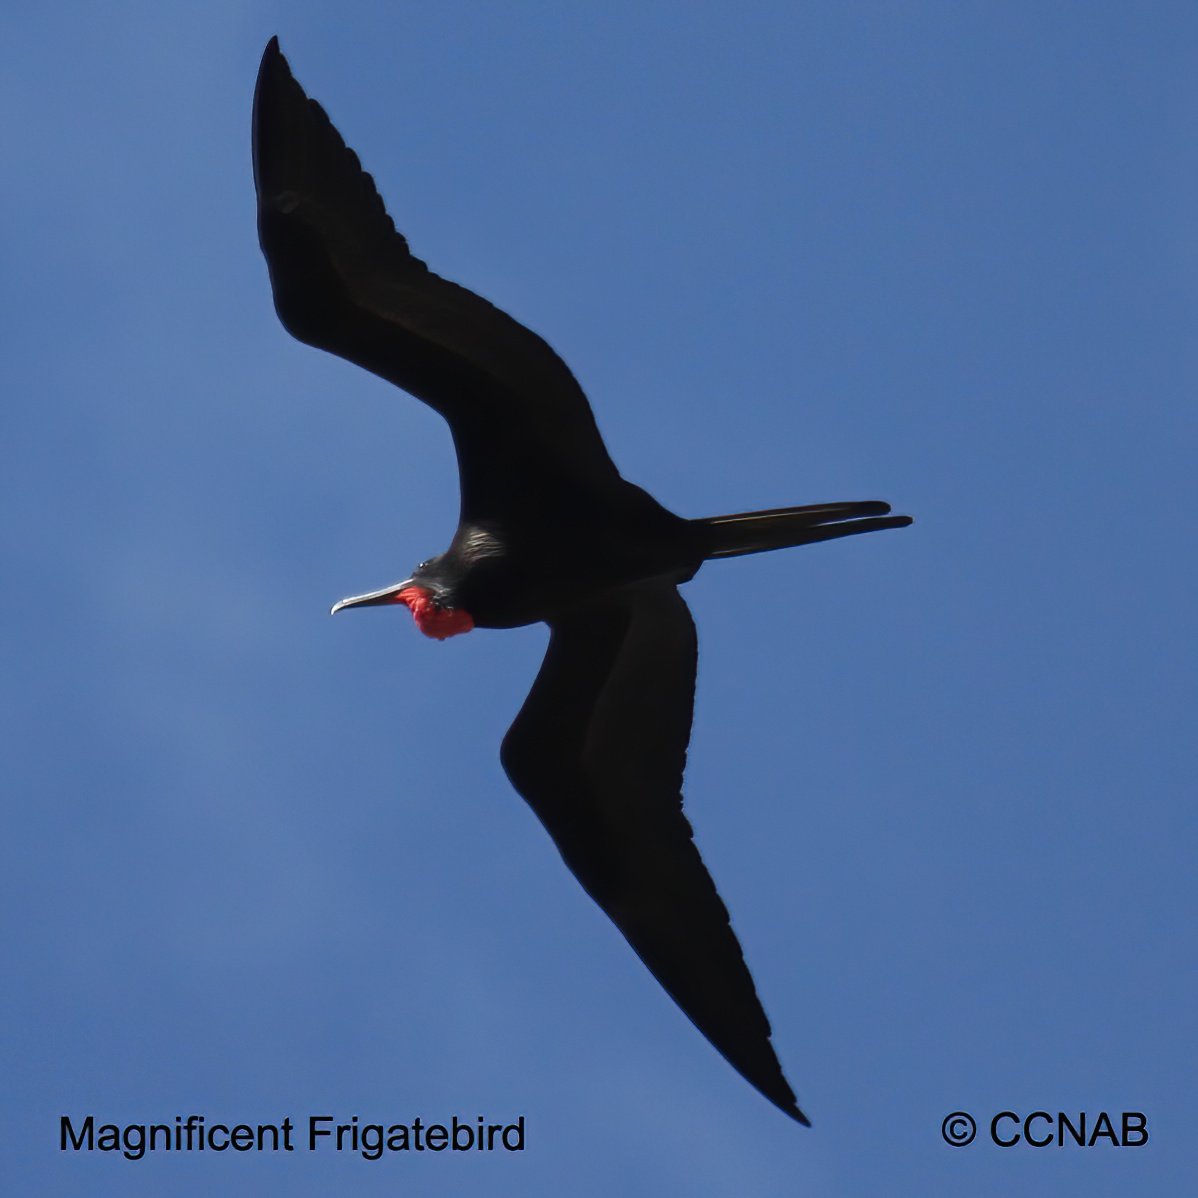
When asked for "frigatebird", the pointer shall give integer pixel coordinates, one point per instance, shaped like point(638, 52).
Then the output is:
point(548, 531)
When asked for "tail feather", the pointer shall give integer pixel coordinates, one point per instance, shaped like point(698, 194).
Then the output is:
point(780, 528)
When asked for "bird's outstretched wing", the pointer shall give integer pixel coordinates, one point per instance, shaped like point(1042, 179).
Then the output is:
point(345, 281)
point(598, 751)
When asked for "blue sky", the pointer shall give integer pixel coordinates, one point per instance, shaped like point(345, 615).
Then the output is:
point(257, 863)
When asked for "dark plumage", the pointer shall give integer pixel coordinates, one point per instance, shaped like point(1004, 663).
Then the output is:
point(548, 531)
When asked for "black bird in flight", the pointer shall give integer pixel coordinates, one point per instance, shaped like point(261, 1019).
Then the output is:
point(548, 531)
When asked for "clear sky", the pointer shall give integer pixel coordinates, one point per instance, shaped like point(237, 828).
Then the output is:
point(257, 863)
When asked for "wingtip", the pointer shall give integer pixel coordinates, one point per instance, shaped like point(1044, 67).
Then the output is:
point(784, 1099)
point(274, 93)
point(271, 52)
point(274, 61)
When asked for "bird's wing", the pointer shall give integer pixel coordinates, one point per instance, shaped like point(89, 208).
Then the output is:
point(598, 751)
point(345, 281)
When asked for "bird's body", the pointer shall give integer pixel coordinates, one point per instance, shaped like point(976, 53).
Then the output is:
point(548, 531)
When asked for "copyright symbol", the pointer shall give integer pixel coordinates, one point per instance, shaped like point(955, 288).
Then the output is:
point(958, 1129)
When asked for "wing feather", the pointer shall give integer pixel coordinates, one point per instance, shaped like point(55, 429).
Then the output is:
point(345, 281)
point(598, 751)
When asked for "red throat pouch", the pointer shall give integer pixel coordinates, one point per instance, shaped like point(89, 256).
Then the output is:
point(434, 621)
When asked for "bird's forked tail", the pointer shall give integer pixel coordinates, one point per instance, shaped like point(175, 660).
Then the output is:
point(780, 528)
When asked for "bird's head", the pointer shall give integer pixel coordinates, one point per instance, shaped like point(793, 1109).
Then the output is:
point(431, 605)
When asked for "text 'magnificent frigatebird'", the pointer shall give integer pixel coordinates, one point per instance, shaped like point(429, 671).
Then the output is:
point(548, 531)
